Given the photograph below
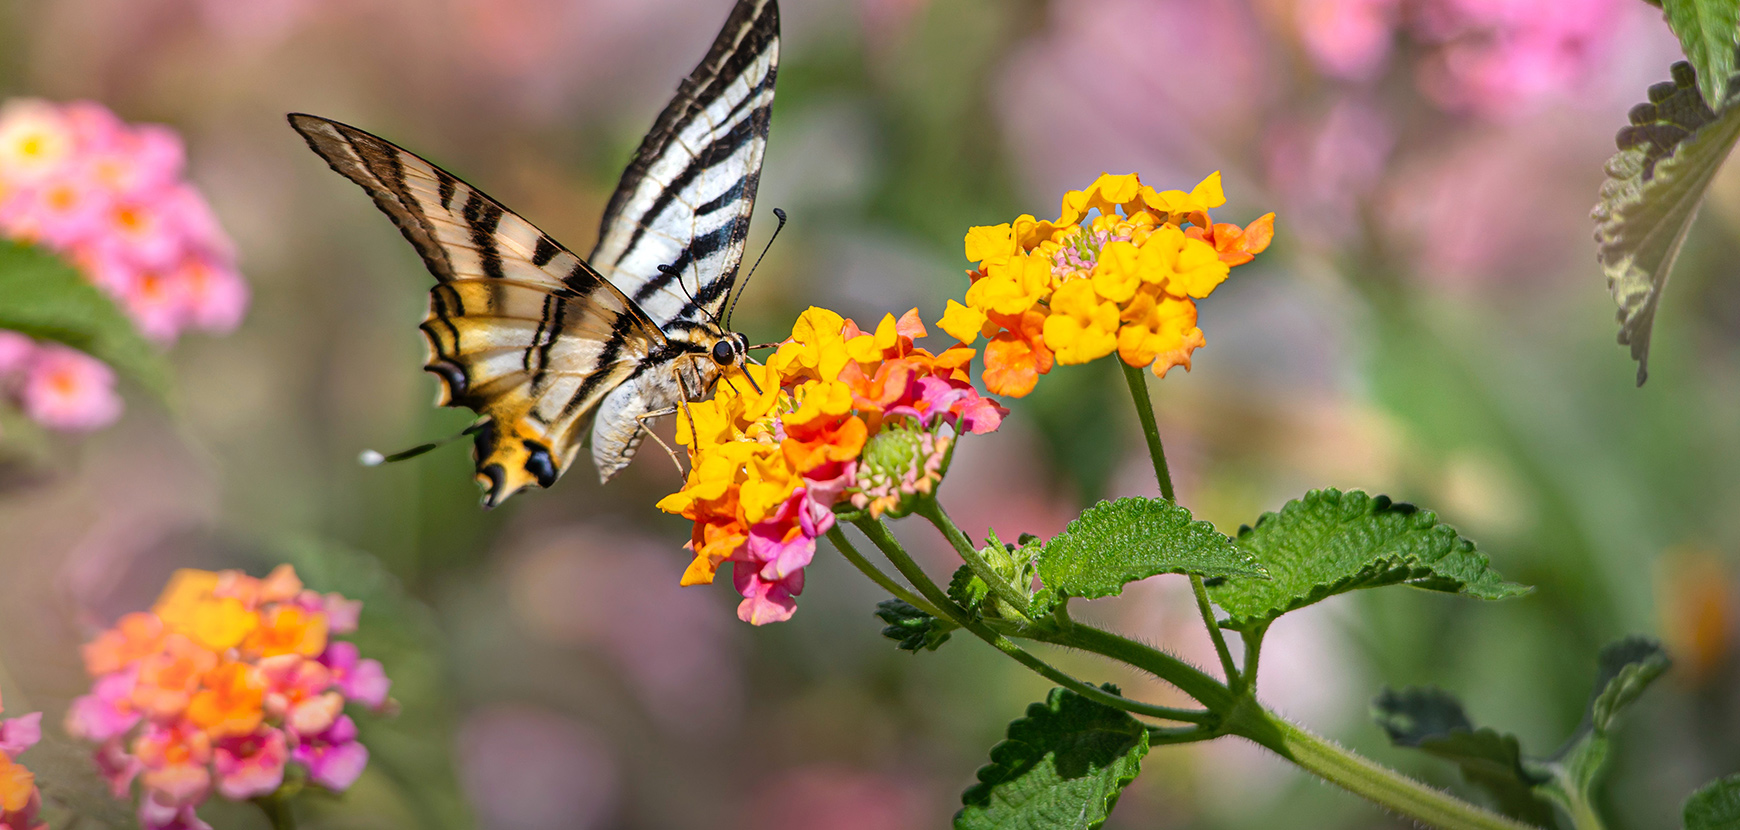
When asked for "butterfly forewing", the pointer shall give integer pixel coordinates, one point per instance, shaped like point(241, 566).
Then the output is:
point(686, 198)
point(520, 329)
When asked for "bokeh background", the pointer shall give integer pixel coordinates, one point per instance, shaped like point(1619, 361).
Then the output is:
point(1430, 323)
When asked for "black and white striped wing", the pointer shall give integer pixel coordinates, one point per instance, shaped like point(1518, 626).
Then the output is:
point(685, 199)
point(520, 329)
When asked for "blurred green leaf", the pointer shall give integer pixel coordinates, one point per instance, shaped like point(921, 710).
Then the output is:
point(910, 628)
point(1715, 806)
point(410, 772)
point(1062, 766)
point(1117, 542)
point(1666, 161)
point(1626, 668)
point(45, 297)
point(1526, 788)
point(1433, 721)
point(1708, 31)
point(1331, 542)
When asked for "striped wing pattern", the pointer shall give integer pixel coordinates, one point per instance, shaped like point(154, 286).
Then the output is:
point(686, 198)
point(519, 328)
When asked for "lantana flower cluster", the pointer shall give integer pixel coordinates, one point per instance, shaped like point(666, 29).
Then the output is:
point(56, 386)
point(838, 418)
point(227, 680)
point(20, 800)
point(1120, 270)
point(110, 198)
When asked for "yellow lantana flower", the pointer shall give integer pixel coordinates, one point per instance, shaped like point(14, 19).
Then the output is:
point(1119, 270)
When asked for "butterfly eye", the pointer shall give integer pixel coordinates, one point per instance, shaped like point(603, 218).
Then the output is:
point(723, 354)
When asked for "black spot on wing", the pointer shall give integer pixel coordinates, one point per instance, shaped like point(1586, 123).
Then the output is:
point(601, 369)
point(446, 188)
point(539, 463)
point(699, 250)
point(483, 216)
point(545, 252)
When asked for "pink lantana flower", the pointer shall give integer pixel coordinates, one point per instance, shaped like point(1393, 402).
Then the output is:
point(363, 681)
point(66, 389)
point(334, 757)
point(251, 765)
point(108, 711)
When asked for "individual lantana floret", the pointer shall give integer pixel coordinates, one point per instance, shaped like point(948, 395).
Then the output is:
point(20, 800)
point(1119, 270)
point(221, 685)
point(838, 417)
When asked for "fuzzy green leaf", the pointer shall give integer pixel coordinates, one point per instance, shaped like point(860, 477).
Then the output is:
point(1062, 766)
point(1708, 31)
point(1626, 668)
point(1666, 161)
point(43, 296)
point(1330, 542)
point(910, 628)
point(1433, 721)
point(1715, 806)
point(1117, 542)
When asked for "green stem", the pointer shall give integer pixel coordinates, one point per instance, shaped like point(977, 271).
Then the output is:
point(1253, 653)
point(1202, 607)
point(277, 809)
point(1192, 680)
point(1361, 776)
point(848, 550)
point(932, 510)
point(890, 547)
point(1138, 383)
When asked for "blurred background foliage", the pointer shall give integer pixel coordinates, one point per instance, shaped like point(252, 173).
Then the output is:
point(1430, 324)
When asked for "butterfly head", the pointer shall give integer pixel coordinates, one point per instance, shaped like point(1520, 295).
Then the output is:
point(730, 350)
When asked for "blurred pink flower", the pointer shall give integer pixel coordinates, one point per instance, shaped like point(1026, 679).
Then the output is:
point(250, 765)
point(108, 711)
point(159, 815)
point(110, 198)
point(66, 389)
point(363, 681)
point(117, 766)
point(1348, 39)
point(16, 351)
point(1498, 58)
point(335, 758)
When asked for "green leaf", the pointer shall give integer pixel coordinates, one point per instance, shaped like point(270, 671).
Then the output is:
point(1715, 806)
point(1062, 766)
point(1330, 542)
point(1433, 721)
point(967, 589)
point(48, 299)
point(1118, 542)
point(1666, 161)
point(910, 628)
point(1708, 31)
point(1626, 668)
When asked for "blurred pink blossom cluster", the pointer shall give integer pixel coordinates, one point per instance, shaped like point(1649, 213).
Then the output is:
point(223, 684)
point(110, 198)
point(20, 800)
point(60, 388)
point(1492, 58)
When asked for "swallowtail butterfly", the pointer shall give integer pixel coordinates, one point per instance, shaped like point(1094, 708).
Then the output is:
point(543, 344)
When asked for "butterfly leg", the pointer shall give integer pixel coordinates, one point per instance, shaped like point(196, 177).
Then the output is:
point(641, 422)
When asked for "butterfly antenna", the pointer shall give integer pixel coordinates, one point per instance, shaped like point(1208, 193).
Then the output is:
point(675, 274)
point(370, 458)
point(776, 212)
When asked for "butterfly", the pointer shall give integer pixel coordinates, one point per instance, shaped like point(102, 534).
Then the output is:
point(543, 344)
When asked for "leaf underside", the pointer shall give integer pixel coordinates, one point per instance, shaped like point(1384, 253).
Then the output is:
point(1667, 159)
point(1063, 765)
point(1433, 721)
point(1624, 670)
point(1330, 542)
point(1117, 542)
point(910, 628)
point(44, 297)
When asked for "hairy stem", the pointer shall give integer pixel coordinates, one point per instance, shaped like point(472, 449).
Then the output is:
point(1214, 633)
point(890, 547)
point(900, 592)
point(1361, 776)
point(932, 511)
point(1138, 383)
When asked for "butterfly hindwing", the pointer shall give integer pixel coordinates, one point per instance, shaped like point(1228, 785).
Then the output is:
point(520, 329)
point(686, 197)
